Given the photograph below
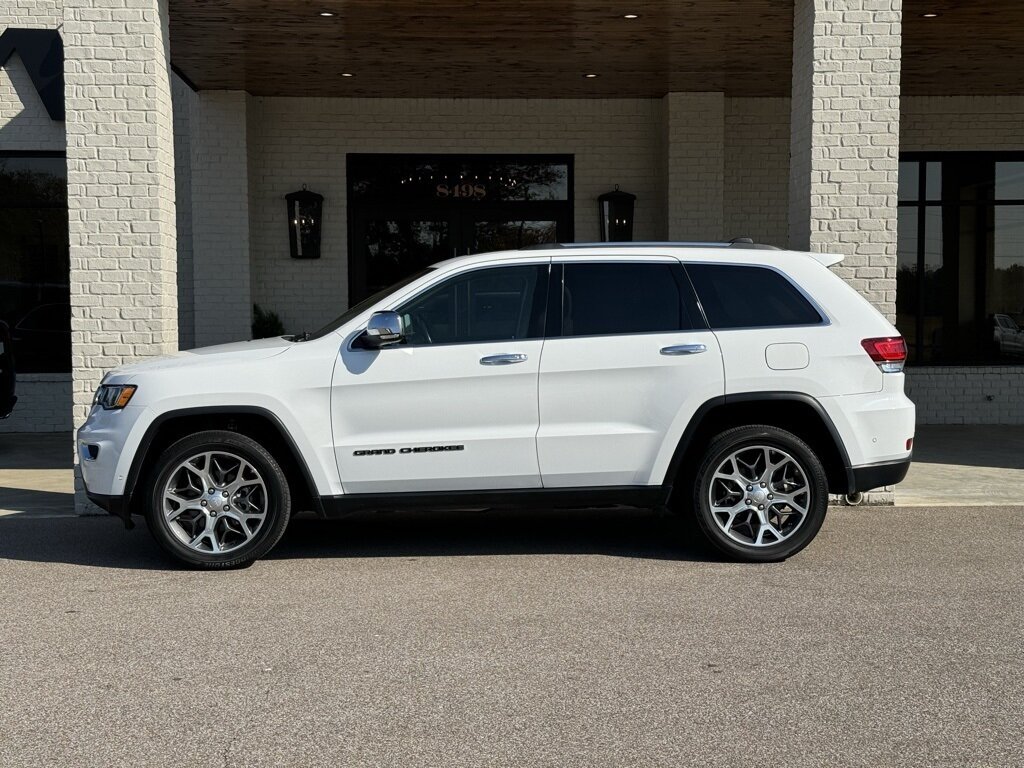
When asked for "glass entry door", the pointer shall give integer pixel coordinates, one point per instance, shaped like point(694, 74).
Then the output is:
point(383, 249)
point(498, 233)
point(407, 212)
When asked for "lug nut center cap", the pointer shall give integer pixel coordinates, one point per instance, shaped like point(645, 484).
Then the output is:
point(216, 502)
point(758, 495)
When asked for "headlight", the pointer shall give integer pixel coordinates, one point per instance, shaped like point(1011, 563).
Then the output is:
point(112, 396)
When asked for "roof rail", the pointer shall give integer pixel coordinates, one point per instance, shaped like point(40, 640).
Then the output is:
point(739, 242)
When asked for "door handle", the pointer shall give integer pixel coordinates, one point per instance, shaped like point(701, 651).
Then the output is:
point(684, 349)
point(506, 359)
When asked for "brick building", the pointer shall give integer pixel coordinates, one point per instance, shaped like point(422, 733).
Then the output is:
point(889, 131)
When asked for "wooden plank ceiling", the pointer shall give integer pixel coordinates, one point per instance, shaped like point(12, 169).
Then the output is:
point(543, 48)
point(487, 48)
point(971, 47)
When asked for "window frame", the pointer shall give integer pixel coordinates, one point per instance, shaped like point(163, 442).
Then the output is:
point(43, 154)
point(950, 206)
point(543, 283)
point(825, 320)
point(556, 306)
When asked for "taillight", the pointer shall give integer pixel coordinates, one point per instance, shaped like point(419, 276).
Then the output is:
point(889, 353)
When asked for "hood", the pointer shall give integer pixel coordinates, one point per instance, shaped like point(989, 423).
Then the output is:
point(240, 351)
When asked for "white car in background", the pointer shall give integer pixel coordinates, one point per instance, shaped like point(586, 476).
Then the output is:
point(733, 382)
point(1007, 335)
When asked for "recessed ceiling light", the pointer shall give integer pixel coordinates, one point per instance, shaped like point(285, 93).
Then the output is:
point(590, 75)
point(347, 74)
point(631, 16)
point(325, 14)
point(931, 15)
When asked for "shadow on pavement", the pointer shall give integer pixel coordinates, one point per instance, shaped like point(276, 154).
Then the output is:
point(103, 541)
point(976, 445)
point(48, 502)
point(44, 450)
point(615, 532)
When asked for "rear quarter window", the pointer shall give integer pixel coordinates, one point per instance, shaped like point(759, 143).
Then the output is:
point(739, 296)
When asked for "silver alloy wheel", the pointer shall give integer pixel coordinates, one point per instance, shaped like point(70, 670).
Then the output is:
point(215, 502)
point(759, 496)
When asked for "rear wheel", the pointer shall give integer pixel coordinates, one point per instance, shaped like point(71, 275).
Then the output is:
point(761, 493)
point(218, 500)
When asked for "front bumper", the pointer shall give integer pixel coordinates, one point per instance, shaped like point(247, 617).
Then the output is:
point(878, 475)
point(7, 405)
point(114, 505)
point(106, 443)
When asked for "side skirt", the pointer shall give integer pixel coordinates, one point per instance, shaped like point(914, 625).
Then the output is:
point(641, 496)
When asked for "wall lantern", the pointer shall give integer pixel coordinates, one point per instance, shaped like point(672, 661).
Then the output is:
point(616, 212)
point(305, 211)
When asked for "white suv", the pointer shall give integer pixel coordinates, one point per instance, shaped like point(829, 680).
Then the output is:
point(734, 382)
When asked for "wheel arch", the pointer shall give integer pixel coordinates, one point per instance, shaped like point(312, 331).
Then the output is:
point(258, 423)
point(795, 412)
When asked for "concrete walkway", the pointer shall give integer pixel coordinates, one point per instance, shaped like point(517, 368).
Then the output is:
point(953, 465)
point(965, 466)
point(36, 475)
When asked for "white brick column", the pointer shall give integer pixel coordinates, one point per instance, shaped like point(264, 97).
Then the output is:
point(220, 218)
point(120, 189)
point(844, 142)
point(695, 165)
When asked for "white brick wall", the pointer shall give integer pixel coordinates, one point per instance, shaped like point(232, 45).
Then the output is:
point(25, 124)
point(304, 141)
point(951, 123)
point(845, 138)
point(44, 404)
point(183, 101)
point(975, 395)
point(757, 169)
point(220, 218)
point(120, 189)
point(32, 14)
point(695, 165)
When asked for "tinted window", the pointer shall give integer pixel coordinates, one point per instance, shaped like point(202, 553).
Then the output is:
point(497, 304)
point(749, 297)
point(34, 293)
point(607, 299)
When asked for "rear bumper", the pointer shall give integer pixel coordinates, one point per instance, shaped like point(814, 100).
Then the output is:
point(7, 405)
point(877, 475)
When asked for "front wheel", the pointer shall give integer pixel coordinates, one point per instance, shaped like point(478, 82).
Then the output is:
point(218, 500)
point(761, 493)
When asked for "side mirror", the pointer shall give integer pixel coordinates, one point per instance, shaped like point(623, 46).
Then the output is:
point(383, 329)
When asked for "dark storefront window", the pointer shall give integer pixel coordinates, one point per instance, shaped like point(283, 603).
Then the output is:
point(34, 297)
point(407, 212)
point(960, 262)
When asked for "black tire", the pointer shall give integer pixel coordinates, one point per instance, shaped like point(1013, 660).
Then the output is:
point(276, 500)
point(804, 527)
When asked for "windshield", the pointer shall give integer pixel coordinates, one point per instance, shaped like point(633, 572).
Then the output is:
point(364, 305)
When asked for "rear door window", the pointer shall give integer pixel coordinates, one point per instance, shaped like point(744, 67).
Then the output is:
point(741, 296)
point(606, 299)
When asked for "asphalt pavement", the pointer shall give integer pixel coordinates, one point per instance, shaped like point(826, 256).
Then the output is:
point(560, 639)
